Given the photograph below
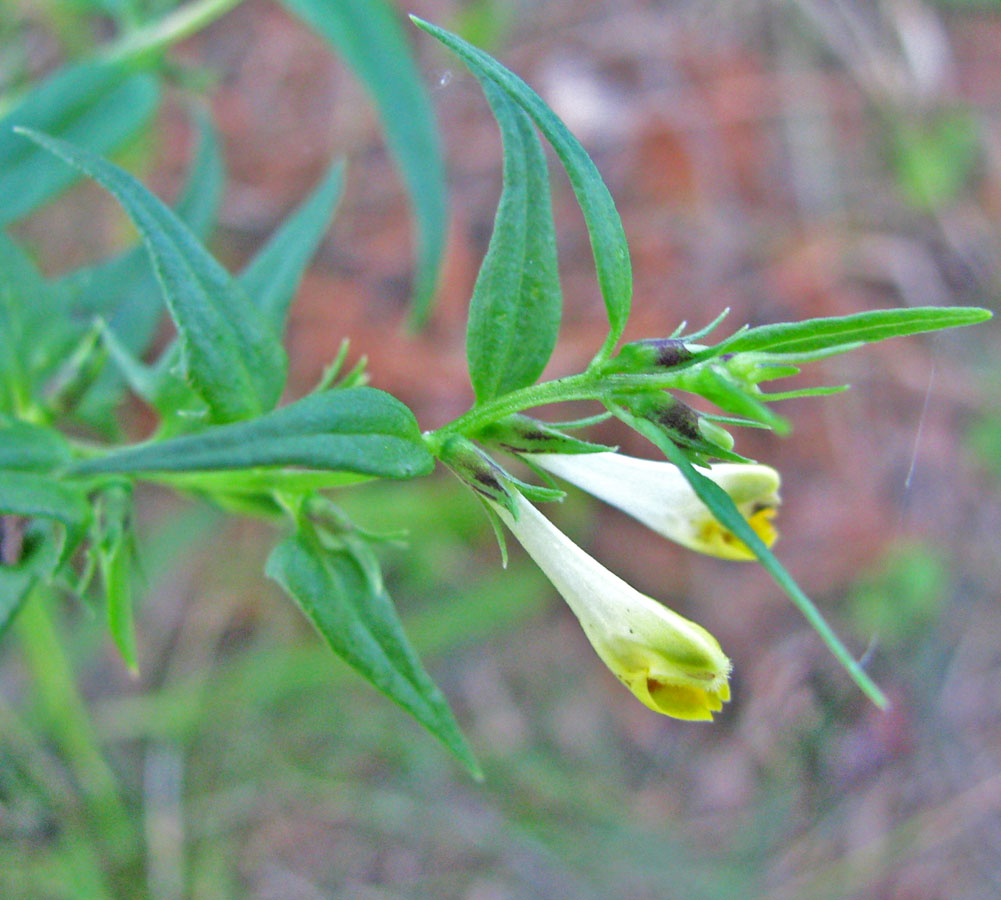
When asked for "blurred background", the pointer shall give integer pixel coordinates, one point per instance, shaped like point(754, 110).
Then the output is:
point(786, 159)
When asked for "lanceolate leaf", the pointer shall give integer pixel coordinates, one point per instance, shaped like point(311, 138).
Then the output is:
point(31, 448)
point(96, 105)
point(36, 335)
point(608, 240)
point(124, 290)
point(234, 361)
point(514, 315)
point(114, 556)
point(341, 593)
point(274, 273)
point(368, 34)
point(359, 430)
point(818, 334)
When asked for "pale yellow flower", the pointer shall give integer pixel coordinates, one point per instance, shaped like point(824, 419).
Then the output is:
point(657, 494)
point(671, 664)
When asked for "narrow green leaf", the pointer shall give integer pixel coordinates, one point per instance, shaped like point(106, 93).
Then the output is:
point(514, 314)
point(114, 557)
point(36, 335)
point(818, 334)
point(608, 240)
point(97, 105)
point(368, 34)
point(272, 276)
point(347, 603)
point(360, 430)
point(31, 448)
point(232, 358)
point(200, 197)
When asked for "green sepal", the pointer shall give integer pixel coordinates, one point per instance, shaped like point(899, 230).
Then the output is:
point(666, 417)
point(477, 470)
point(522, 434)
point(717, 385)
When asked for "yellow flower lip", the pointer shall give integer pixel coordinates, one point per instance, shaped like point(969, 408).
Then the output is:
point(670, 663)
point(657, 494)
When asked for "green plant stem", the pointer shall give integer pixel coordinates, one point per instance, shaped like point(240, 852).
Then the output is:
point(175, 26)
point(585, 386)
point(66, 714)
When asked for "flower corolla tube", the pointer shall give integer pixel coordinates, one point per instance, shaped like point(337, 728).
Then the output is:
point(671, 664)
point(657, 494)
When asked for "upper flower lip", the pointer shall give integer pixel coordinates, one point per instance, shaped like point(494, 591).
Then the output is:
point(670, 663)
point(658, 495)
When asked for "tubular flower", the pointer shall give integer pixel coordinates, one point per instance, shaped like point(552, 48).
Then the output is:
point(671, 664)
point(657, 494)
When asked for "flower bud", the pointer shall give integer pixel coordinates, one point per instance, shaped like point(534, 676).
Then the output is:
point(673, 665)
point(699, 437)
point(649, 356)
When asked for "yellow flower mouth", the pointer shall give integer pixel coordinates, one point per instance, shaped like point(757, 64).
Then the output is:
point(720, 541)
point(681, 701)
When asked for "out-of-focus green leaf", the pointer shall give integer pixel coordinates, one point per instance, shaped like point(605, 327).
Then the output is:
point(41, 543)
point(114, 557)
point(96, 105)
point(360, 430)
point(272, 276)
point(234, 361)
point(341, 592)
point(31, 448)
point(819, 334)
point(31, 495)
point(608, 239)
point(368, 34)
point(933, 160)
point(36, 335)
point(514, 314)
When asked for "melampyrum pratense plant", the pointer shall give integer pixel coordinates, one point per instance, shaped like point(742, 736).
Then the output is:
point(67, 501)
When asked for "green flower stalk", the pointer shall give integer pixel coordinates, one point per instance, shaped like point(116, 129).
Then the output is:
point(673, 665)
point(659, 496)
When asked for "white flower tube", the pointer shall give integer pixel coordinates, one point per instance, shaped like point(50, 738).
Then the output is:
point(671, 664)
point(657, 494)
